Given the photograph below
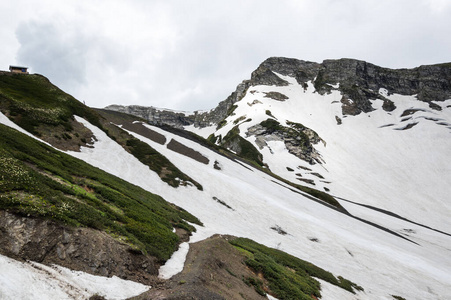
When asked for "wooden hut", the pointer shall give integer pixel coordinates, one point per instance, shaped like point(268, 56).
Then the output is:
point(17, 69)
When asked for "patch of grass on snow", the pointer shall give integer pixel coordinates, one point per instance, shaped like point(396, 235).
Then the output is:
point(289, 277)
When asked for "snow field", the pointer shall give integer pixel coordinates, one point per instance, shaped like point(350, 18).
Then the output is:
point(260, 204)
point(382, 167)
point(381, 263)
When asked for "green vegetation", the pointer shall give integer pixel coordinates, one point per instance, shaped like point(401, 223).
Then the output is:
point(36, 105)
point(288, 277)
point(294, 131)
point(276, 96)
point(311, 191)
point(31, 100)
point(221, 124)
point(38, 181)
point(271, 125)
point(244, 149)
point(230, 112)
point(239, 120)
point(212, 138)
point(268, 112)
point(257, 283)
point(159, 163)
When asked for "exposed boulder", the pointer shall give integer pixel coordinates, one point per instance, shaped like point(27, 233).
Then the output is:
point(298, 139)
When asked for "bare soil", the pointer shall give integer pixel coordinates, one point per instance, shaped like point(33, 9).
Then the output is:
point(81, 249)
point(184, 150)
point(214, 269)
point(146, 132)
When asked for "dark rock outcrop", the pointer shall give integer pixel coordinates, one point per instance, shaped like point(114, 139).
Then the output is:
point(358, 81)
point(154, 115)
point(298, 139)
point(80, 249)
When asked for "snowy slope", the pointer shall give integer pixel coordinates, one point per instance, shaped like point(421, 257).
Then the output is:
point(31, 280)
point(382, 263)
point(364, 163)
point(368, 159)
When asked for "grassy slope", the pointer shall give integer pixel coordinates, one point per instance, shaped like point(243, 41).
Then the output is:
point(289, 277)
point(42, 182)
point(31, 101)
point(142, 151)
point(36, 105)
point(39, 181)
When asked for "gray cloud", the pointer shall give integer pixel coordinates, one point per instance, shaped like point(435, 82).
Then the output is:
point(51, 53)
point(191, 54)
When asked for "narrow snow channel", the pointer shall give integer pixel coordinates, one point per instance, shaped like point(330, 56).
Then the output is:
point(175, 264)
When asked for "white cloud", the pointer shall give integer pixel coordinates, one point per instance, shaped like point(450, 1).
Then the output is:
point(191, 54)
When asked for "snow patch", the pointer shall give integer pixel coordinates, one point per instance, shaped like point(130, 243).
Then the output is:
point(31, 280)
point(175, 264)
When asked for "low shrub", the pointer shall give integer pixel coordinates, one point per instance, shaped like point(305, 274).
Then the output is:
point(289, 277)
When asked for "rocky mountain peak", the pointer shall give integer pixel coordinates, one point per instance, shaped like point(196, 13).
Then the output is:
point(357, 80)
point(302, 70)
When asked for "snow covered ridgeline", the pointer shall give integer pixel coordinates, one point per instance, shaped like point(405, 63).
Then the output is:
point(355, 80)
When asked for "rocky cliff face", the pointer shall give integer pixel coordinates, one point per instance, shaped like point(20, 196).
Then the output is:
point(179, 119)
point(81, 249)
point(358, 82)
point(298, 139)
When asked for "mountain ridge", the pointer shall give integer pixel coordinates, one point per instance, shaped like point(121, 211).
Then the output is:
point(421, 80)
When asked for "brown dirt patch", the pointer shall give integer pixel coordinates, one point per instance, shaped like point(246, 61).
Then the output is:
point(184, 150)
point(81, 249)
point(63, 139)
point(214, 269)
point(145, 132)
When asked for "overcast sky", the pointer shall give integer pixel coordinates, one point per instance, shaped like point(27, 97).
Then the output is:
point(191, 54)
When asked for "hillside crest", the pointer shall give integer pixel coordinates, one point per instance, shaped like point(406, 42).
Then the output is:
point(357, 80)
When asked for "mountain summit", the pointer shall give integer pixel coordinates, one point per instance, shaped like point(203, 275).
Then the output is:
point(358, 80)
